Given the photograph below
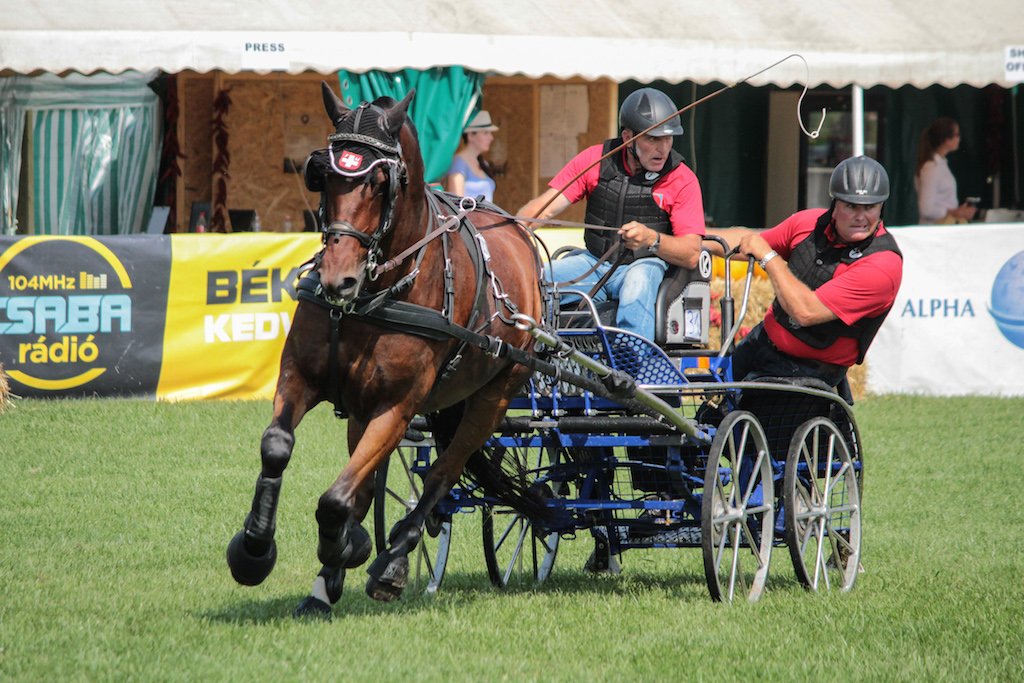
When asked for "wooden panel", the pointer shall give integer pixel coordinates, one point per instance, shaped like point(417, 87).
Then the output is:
point(196, 143)
point(285, 107)
point(511, 107)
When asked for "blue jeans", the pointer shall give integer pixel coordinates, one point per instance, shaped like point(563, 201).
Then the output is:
point(634, 286)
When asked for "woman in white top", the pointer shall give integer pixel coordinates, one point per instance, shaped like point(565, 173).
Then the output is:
point(937, 200)
point(470, 175)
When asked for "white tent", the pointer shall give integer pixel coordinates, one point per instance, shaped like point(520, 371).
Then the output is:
point(864, 42)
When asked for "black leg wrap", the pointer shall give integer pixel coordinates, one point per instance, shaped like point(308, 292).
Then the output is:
point(350, 547)
point(252, 553)
point(261, 523)
point(335, 582)
point(360, 544)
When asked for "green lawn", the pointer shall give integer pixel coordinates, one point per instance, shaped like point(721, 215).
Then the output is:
point(114, 517)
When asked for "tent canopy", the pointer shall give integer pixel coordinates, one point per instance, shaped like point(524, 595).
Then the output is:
point(867, 42)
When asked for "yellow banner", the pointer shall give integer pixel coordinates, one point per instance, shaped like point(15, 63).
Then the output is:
point(230, 306)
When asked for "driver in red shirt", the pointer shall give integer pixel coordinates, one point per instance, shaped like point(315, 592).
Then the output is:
point(835, 272)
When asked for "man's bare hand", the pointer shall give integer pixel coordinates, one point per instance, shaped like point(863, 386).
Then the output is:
point(637, 235)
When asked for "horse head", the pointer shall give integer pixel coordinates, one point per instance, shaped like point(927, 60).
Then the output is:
point(364, 178)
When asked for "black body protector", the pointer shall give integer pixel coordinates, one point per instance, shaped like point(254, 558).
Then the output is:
point(814, 262)
point(619, 195)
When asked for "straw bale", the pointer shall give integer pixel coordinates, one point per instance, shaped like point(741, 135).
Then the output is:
point(761, 297)
point(5, 391)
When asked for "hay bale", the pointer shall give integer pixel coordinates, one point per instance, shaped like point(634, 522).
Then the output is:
point(5, 391)
point(761, 296)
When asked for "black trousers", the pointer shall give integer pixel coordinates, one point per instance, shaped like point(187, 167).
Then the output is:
point(756, 357)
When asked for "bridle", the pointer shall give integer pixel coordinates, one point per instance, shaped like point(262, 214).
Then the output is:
point(338, 159)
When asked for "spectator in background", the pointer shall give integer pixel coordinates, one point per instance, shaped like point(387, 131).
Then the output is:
point(937, 200)
point(470, 175)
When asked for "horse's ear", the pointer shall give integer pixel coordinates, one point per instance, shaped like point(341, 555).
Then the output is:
point(336, 109)
point(398, 113)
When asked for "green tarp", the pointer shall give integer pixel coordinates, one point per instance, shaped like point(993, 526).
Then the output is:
point(446, 98)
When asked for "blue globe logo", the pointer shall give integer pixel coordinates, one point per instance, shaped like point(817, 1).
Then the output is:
point(1007, 306)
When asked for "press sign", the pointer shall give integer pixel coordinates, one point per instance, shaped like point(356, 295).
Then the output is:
point(1014, 63)
point(265, 52)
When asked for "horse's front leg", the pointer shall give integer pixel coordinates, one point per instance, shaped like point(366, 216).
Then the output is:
point(344, 542)
point(252, 552)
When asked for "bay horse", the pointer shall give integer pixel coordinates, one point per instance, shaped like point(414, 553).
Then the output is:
point(385, 344)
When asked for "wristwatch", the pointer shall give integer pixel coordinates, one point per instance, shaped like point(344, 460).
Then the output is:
point(656, 245)
point(767, 257)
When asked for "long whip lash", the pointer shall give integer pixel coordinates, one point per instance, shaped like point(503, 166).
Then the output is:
point(691, 106)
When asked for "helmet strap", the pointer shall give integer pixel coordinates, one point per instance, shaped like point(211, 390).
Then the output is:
point(631, 150)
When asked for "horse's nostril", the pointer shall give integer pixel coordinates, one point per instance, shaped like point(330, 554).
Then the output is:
point(348, 284)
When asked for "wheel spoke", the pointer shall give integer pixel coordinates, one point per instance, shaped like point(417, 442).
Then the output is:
point(820, 566)
point(506, 548)
point(822, 508)
point(738, 498)
point(515, 521)
point(516, 554)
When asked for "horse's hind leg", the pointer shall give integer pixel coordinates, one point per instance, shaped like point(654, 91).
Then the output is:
point(252, 552)
point(389, 570)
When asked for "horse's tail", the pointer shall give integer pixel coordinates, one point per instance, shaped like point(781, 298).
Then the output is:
point(492, 470)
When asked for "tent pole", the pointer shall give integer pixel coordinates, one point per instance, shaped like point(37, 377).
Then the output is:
point(858, 120)
point(1016, 148)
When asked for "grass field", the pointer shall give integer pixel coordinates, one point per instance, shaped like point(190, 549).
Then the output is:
point(114, 517)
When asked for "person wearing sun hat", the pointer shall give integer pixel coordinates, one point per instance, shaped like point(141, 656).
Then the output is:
point(470, 175)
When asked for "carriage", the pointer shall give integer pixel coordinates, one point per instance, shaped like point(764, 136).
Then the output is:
point(733, 468)
point(487, 394)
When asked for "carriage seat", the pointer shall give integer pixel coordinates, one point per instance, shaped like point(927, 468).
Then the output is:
point(682, 308)
point(682, 311)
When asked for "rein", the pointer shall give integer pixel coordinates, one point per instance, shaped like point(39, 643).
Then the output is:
point(450, 225)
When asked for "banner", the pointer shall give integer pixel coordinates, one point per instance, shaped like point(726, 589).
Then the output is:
point(205, 316)
point(957, 327)
point(165, 317)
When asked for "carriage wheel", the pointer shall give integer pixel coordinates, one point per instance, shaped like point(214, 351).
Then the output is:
point(515, 550)
point(398, 490)
point(737, 509)
point(822, 507)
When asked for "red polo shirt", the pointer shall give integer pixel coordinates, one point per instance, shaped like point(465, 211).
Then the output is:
point(862, 289)
point(677, 192)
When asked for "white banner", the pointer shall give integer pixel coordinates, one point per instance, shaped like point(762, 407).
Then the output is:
point(957, 326)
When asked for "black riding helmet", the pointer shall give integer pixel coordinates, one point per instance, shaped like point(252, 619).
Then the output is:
point(644, 107)
point(859, 180)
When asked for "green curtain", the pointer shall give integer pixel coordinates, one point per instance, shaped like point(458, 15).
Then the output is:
point(95, 152)
point(446, 99)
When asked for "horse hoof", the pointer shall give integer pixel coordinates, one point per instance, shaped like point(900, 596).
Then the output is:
point(246, 568)
point(387, 577)
point(312, 608)
point(382, 592)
